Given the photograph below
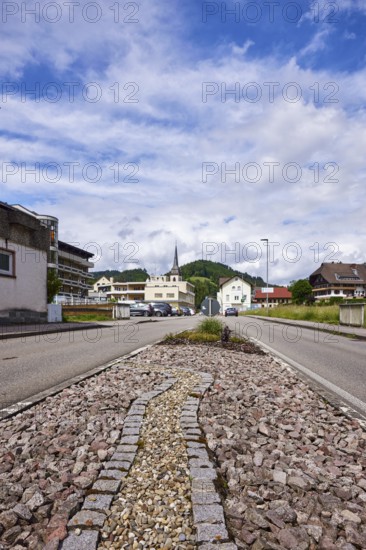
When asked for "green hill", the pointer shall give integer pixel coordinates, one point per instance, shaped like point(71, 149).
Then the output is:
point(122, 276)
point(215, 270)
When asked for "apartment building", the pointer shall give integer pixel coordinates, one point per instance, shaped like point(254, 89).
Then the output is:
point(24, 246)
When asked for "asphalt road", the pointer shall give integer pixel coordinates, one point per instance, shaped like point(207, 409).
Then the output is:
point(33, 364)
point(30, 365)
point(336, 362)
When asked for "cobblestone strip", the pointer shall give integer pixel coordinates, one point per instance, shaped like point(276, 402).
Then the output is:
point(208, 513)
point(85, 526)
point(154, 508)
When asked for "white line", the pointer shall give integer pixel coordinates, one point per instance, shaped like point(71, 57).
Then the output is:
point(361, 405)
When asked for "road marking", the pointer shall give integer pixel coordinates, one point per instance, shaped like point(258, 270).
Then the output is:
point(350, 399)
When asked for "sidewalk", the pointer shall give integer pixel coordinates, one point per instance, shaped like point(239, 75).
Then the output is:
point(20, 331)
point(342, 330)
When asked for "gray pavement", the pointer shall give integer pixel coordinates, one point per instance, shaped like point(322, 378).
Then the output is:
point(36, 363)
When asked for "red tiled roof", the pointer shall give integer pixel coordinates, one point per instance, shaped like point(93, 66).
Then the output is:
point(278, 292)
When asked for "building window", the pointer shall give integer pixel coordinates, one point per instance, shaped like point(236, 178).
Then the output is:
point(236, 298)
point(227, 298)
point(158, 295)
point(170, 295)
point(7, 263)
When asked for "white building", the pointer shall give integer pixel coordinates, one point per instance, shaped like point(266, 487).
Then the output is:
point(234, 292)
point(24, 244)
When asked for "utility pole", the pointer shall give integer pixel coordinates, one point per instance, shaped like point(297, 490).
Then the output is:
point(266, 241)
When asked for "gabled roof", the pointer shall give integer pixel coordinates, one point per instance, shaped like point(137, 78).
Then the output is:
point(278, 292)
point(339, 272)
point(224, 280)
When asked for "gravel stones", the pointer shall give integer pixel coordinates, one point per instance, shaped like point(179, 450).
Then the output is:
point(288, 466)
point(153, 509)
point(51, 454)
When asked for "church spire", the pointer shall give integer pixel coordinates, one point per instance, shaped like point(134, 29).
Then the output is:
point(175, 269)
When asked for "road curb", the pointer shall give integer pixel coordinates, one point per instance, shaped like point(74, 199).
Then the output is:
point(21, 406)
point(21, 334)
point(336, 331)
point(321, 386)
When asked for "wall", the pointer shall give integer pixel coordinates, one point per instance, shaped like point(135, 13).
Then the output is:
point(23, 296)
point(28, 289)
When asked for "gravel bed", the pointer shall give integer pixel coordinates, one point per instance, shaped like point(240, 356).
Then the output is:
point(154, 507)
point(292, 468)
point(51, 454)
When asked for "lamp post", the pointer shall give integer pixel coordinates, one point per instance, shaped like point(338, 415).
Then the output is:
point(266, 241)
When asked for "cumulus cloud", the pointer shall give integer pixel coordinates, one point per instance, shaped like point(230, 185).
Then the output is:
point(225, 148)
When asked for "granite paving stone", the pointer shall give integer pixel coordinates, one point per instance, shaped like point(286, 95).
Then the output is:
point(112, 474)
point(98, 502)
point(208, 513)
point(87, 518)
point(209, 532)
point(86, 540)
point(107, 485)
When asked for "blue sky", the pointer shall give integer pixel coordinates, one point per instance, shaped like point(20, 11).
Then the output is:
point(197, 123)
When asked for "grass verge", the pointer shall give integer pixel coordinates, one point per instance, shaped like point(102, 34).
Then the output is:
point(87, 317)
point(324, 314)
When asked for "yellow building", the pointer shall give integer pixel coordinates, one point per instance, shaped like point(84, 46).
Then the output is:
point(170, 288)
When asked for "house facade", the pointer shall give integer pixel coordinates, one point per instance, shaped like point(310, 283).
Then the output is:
point(340, 280)
point(24, 246)
point(234, 292)
point(276, 296)
point(130, 292)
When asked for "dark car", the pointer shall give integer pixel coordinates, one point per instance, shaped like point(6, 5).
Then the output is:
point(162, 307)
point(186, 310)
point(146, 310)
point(231, 311)
point(160, 311)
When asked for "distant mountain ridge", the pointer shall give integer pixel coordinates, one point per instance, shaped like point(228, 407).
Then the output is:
point(121, 276)
point(199, 268)
point(215, 270)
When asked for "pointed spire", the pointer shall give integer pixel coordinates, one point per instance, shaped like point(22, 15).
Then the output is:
point(175, 269)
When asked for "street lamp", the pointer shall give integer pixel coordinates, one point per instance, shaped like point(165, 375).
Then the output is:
point(266, 241)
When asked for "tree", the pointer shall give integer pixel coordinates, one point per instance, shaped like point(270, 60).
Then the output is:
point(53, 285)
point(202, 287)
point(301, 291)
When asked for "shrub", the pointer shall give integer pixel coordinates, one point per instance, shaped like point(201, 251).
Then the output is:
point(210, 325)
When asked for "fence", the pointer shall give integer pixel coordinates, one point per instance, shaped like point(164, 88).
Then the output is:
point(352, 314)
point(113, 311)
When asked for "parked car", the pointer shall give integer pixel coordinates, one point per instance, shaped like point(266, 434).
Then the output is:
point(176, 312)
point(186, 310)
point(162, 306)
point(146, 310)
point(160, 311)
point(231, 311)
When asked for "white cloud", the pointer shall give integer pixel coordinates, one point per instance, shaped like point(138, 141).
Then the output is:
point(170, 132)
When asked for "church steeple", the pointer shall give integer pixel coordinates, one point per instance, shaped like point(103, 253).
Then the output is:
point(175, 271)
